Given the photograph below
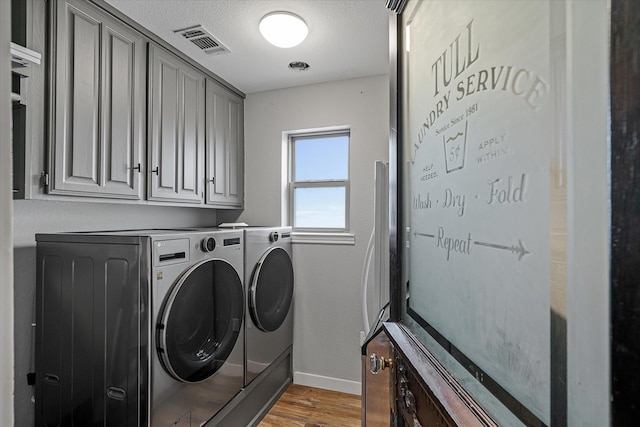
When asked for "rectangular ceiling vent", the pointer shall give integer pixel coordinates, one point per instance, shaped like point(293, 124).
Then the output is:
point(203, 39)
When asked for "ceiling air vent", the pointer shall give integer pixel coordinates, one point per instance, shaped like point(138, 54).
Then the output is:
point(299, 66)
point(203, 39)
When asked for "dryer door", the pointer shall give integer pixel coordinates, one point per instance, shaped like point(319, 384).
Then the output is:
point(201, 321)
point(271, 289)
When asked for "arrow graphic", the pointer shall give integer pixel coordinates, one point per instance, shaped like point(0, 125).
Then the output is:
point(416, 234)
point(516, 249)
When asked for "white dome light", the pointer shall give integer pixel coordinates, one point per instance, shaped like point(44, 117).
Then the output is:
point(283, 29)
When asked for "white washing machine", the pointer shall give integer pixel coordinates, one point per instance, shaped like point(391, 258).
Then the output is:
point(139, 327)
point(269, 296)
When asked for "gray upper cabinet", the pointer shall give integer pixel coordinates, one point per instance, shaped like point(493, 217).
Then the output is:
point(225, 147)
point(125, 125)
point(176, 129)
point(98, 104)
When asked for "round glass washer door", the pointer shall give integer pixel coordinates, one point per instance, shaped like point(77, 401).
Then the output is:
point(271, 289)
point(201, 321)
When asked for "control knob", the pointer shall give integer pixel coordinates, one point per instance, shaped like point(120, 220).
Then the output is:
point(208, 244)
point(273, 237)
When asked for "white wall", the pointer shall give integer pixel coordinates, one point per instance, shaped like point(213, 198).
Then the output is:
point(6, 253)
point(327, 311)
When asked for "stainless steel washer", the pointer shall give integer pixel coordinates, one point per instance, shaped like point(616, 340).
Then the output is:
point(197, 315)
point(139, 327)
point(269, 285)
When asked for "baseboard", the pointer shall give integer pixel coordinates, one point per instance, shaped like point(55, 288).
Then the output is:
point(327, 383)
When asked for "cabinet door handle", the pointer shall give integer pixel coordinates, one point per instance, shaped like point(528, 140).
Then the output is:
point(213, 180)
point(137, 168)
point(156, 170)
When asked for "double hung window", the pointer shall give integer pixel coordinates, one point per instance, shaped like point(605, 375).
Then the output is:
point(319, 181)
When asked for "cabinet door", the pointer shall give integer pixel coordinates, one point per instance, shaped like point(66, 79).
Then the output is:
point(225, 147)
point(99, 107)
point(177, 129)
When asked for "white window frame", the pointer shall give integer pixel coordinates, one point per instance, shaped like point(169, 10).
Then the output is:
point(320, 234)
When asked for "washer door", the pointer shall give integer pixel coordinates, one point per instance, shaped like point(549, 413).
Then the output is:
point(201, 321)
point(271, 289)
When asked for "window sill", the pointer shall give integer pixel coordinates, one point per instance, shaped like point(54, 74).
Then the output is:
point(323, 238)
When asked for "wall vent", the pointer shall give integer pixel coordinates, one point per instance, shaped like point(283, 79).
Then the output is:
point(203, 40)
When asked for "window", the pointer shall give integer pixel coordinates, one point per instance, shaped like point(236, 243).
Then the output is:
point(319, 181)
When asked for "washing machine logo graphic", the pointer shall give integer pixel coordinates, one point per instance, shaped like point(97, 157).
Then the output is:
point(455, 147)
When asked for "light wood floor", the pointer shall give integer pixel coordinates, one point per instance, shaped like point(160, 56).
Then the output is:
point(313, 407)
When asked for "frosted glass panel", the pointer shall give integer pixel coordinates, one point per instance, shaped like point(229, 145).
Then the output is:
point(319, 207)
point(479, 149)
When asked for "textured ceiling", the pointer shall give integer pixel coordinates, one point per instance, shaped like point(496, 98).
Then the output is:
point(347, 38)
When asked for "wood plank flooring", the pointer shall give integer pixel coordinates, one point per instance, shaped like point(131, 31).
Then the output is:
point(302, 406)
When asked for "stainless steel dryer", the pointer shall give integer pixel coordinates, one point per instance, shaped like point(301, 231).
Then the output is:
point(139, 327)
point(269, 289)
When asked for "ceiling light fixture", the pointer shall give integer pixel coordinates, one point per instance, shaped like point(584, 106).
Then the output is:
point(283, 29)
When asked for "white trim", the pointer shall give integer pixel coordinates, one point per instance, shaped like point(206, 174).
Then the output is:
point(327, 383)
point(323, 238)
point(285, 168)
point(24, 57)
point(7, 375)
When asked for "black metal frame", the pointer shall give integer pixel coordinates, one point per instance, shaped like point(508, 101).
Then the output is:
point(625, 211)
point(395, 174)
